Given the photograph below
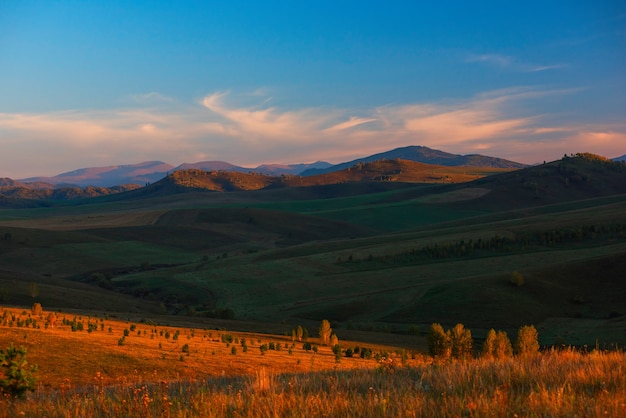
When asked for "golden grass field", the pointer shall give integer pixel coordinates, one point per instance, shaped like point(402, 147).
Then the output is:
point(74, 358)
point(89, 375)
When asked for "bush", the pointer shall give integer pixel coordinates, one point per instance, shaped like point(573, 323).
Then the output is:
point(17, 375)
point(516, 279)
point(337, 351)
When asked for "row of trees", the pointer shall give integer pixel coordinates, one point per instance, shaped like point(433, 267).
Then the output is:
point(521, 241)
point(458, 343)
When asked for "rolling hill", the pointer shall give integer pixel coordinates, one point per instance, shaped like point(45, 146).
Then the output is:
point(63, 193)
point(151, 171)
point(370, 259)
point(141, 173)
point(424, 155)
point(386, 171)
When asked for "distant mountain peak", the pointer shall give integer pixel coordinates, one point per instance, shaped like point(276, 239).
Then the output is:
point(141, 173)
point(422, 154)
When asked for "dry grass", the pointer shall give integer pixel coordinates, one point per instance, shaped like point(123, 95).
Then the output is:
point(97, 378)
point(74, 358)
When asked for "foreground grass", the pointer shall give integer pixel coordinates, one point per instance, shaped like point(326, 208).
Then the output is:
point(552, 384)
point(88, 374)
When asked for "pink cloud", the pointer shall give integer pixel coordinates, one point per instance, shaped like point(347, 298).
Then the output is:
point(498, 123)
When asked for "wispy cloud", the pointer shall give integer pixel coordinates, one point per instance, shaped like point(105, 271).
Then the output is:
point(244, 129)
point(510, 63)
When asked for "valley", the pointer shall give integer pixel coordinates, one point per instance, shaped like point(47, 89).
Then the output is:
point(378, 256)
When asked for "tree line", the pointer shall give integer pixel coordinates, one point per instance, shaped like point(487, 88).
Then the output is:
point(457, 343)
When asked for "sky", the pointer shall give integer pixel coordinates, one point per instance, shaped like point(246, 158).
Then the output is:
point(100, 83)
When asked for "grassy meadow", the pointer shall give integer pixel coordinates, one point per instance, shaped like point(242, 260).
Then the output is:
point(381, 261)
point(160, 371)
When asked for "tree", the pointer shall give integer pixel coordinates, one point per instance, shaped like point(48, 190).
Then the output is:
point(16, 375)
point(497, 345)
point(527, 343)
point(325, 331)
point(36, 309)
point(461, 342)
point(51, 319)
point(299, 332)
point(334, 340)
point(439, 341)
point(503, 347)
point(489, 344)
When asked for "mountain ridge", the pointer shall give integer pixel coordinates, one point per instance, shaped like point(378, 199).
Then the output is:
point(425, 155)
point(151, 171)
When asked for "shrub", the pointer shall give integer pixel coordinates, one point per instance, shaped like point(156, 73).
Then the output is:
point(17, 376)
point(414, 330)
point(516, 279)
point(366, 353)
point(337, 351)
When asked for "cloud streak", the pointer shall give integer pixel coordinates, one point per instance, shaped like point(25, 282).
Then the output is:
point(510, 63)
point(226, 126)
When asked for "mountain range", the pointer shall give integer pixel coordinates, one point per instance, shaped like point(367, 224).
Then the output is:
point(151, 171)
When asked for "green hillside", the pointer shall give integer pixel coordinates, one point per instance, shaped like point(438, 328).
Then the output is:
point(370, 257)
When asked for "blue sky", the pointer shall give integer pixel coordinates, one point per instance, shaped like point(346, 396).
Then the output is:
point(94, 83)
